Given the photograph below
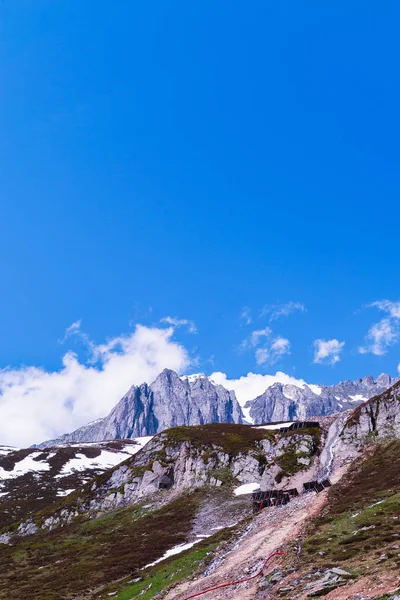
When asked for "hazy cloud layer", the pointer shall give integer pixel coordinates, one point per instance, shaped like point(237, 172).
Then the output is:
point(275, 311)
point(246, 315)
point(175, 322)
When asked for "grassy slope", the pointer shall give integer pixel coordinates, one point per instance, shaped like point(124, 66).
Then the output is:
point(79, 559)
point(362, 519)
point(36, 491)
point(92, 558)
point(83, 556)
point(161, 577)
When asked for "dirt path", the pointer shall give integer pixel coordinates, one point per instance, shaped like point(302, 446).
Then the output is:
point(272, 528)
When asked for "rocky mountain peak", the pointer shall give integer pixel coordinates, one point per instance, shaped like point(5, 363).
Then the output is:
point(173, 400)
point(288, 401)
point(169, 401)
point(167, 376)
point(384, 380)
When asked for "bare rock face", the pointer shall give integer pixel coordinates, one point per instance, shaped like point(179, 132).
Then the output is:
point(177, 466)
point(377, 418)
point(169, 401)
point(374, 421)
point(185, 458)
point(290, 402)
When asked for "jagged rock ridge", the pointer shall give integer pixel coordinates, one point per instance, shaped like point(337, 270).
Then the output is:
point(290, 402)
point(195, 400)
point(168, 402)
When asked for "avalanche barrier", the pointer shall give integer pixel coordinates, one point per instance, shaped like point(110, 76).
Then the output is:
point(267, 498)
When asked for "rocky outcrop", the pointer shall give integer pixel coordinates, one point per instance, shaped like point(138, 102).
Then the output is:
point(185, 458)
point(270, 461)
point(169, 401)
point(172, 401)
point(290, 402)
point(377, 418)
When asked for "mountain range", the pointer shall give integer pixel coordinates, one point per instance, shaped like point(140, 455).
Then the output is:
point(173, 400)
point(177, 519)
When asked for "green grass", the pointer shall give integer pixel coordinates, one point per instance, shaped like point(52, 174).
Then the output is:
point(165, 576)
point(230, 438)
point(92, 558)
point(387, 596)
point(174, 570)
point(365, 536)
point(353, 529)
point(289, 461)
point(78, 559)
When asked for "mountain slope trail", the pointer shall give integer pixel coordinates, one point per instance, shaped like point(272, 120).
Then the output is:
point(268, 532)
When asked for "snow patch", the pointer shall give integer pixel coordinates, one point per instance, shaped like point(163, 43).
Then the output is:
point(26, 465)
point(140, 441)
point(4, 450)
point(358, 398)
point(315, 388)
point(177, 550)
point(65, 492)
point(246, 488)
point(193, 378)
point(276, 426)
point(105, 460)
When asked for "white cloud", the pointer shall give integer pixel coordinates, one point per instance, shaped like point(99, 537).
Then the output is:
point(273, 352)
point(392, 308)
point(327, 351)
point(72, 329)
point(282, 310)
point(380, 336)
point(252, 385)
point(246, 315)
point(386, 332)
point(180, 323)
point(36, 404)
point(269, 349)
point(257, 336)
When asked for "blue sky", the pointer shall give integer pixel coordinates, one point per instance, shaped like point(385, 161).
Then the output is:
point(199, 161)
